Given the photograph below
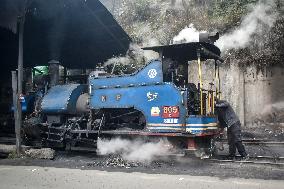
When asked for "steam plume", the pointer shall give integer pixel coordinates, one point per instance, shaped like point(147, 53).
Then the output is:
point(273, 112)
point(262, 15)
point(134, 150)
point(188, 34)
point(135, 57)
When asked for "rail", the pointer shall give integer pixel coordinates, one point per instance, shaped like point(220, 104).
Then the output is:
point(261, 160)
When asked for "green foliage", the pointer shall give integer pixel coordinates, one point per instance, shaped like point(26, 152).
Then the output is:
point(163, 19)
point(145, 20)
point(138, 10)
point(13, 155)
point(229, 11)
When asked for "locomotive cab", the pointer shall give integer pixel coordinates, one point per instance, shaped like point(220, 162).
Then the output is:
point(200, 119)
point(175, 61)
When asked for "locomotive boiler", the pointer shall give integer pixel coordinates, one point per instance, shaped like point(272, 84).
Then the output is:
point(156, 101)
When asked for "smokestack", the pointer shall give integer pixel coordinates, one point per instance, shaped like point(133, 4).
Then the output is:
point(53, 72)
point(209, 37)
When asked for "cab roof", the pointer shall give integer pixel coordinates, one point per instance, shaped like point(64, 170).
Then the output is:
point(188, 51)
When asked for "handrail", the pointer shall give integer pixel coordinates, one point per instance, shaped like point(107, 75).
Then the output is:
point(200, 82)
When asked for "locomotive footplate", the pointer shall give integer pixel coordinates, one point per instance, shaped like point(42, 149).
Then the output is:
point(146, 133)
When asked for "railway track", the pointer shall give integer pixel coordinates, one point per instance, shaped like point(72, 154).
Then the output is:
point(261, 160)
point(256, 141)
point(264, 160)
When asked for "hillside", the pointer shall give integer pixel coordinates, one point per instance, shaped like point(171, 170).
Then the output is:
point(152, 22)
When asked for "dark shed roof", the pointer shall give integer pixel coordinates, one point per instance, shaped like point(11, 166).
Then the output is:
point(78, 33)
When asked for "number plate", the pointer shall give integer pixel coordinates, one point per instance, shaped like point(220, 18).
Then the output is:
point(170, 112)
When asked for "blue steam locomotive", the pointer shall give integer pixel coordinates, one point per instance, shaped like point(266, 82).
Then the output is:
point(155, 101)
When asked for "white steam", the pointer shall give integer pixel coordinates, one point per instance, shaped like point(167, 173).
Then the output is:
point(262, 15)
point(137, 150)
point(260, 18)
point(135, 56)
point(124, 60)
point(273, 112)
point(188, 34)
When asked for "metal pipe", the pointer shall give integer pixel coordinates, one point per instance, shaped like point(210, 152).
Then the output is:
point(200, 81)
point(244, 96)
point(101, 124)
point(112, 70)
point(129, 113)
point(213, 104)
point(217, 78)
point(219, 83)
point(208, 102)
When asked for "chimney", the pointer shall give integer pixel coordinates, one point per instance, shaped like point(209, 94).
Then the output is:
point(53, 72)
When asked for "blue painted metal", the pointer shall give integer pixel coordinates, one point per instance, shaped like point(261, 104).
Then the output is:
point(148, 93)
point(142, 77)
point(201, 124)
point(27, 104)
point(23, 106)
point(144, 91)
point(166, 94)
point(62, 99)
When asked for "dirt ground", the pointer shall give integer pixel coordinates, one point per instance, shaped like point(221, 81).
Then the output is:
point(269, 132)
point(171, 166)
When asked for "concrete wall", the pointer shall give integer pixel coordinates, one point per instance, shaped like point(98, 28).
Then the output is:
point(264, 95)
point(256, 95)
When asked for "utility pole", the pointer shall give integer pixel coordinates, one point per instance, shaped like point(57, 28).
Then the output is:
point(21, 21)
point(16, 115)
point(19, 88)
